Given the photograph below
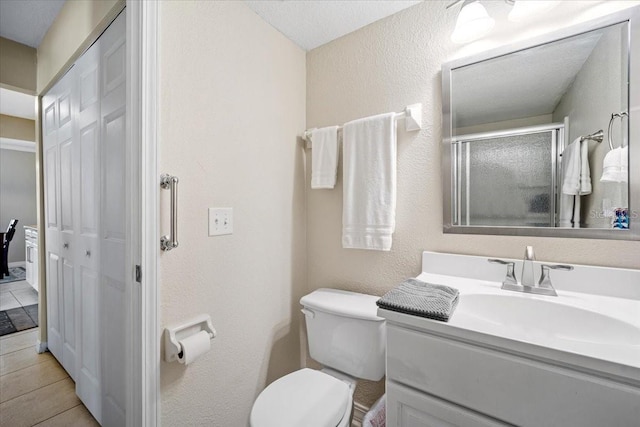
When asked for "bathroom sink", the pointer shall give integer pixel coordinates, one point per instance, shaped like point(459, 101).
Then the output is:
point(604, 329)
point(549, 318)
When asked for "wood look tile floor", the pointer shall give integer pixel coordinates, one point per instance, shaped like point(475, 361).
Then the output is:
point(34, 389)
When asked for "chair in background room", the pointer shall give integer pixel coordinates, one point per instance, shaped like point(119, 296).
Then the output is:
point(8, 236)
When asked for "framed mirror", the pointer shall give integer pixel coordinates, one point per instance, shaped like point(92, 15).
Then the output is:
point(542, 137)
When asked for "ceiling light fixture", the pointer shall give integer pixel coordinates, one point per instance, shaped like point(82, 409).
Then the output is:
point(473, 21)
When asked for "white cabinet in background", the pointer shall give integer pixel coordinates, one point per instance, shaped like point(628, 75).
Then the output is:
point(31, 256)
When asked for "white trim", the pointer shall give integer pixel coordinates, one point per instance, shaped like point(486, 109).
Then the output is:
point(17, 145)
point(41, 346)
point(359, 411)
point(142, 41)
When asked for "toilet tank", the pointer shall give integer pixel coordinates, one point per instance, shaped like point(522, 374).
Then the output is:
point(345, 333)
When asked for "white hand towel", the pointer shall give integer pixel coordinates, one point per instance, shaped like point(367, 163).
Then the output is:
point(369, 174)
point(324, 157)
point(615, 166)
point(585, 173)
point(576, 181)
point(571, 164)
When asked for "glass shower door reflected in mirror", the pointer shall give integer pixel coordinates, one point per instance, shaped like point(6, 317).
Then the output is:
point(508, 178)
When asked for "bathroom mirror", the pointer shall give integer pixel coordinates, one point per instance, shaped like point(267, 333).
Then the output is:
point(539, 137)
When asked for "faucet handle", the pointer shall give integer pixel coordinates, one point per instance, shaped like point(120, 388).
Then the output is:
point(510, 279)
point(545, 278)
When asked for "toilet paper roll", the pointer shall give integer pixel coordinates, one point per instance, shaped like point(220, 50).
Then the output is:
point(194, 346)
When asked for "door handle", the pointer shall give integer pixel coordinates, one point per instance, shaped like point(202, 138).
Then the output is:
point(168, 242)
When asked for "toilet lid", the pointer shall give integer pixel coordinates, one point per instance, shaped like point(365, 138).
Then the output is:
point(306, 397)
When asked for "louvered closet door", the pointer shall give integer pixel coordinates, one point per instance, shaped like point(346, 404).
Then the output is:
point(113, 233)
point(87, 103)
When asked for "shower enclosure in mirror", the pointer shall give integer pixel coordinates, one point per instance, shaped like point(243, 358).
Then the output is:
point(539, 136)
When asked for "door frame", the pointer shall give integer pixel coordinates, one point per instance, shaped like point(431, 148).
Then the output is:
point(142, 109)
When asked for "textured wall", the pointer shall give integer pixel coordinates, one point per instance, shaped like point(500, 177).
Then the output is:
point(384, 67)
point(17, 128)
point(17, 196)
point(232, 100)
point(74, 30)
point(17, 66)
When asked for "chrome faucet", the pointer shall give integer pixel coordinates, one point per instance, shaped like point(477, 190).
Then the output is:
point(527, 278)
point(527, 283)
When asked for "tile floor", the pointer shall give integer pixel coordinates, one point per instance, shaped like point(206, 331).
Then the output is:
point(35, 389)
point(17, 294)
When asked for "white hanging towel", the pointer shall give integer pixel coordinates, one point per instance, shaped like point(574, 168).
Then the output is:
point(369, 174)
point(615, 166)
point(576, 182)
point(324, 158)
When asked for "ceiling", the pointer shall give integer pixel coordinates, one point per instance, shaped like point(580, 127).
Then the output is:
point(524, 84)
point(313, 23)
point(27, 21)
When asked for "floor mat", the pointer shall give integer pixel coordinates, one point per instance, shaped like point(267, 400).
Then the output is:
point(15, 274)
point(18, 319)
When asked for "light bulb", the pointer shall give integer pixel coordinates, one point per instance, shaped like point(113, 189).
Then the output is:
point(473, 22)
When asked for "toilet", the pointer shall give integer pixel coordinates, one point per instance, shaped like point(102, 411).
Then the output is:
point(348, 338)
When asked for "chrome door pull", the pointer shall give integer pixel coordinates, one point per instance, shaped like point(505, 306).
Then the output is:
point(168, 182)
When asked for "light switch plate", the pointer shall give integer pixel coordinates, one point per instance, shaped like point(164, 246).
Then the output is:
point(220, 221)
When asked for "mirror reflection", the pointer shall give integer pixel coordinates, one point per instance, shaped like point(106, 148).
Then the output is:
point(540, 136)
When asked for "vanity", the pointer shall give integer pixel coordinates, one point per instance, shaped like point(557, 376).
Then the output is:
point(510, 358)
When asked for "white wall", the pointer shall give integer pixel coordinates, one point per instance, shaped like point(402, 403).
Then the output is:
point(384, 67)
point(17, 196)
point(232, 100)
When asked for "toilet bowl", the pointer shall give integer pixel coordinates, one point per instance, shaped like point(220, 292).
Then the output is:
point(304, 398)
point(348, 338)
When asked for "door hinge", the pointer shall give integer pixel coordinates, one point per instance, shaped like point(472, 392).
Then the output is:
point(138, 274)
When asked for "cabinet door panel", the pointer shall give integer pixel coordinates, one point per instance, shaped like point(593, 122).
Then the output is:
point(497, 383)
point(68, 317)
point(54, 326)
point(51, 190)
point(408, 408)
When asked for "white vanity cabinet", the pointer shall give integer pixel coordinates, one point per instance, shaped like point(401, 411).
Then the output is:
point(437, 379)
point(31, 255)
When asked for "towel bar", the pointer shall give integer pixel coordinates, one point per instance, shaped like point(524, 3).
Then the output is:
point(412, 115)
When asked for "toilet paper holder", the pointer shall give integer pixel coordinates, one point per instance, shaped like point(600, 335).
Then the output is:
point(174, 334)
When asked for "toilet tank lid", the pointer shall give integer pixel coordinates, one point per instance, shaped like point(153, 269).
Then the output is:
point(343, 303)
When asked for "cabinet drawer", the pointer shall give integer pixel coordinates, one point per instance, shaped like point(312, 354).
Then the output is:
point(409, 408)
point(506, 387)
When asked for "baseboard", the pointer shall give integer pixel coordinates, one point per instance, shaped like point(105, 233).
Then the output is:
point(41, 346)
point(359, 411)
point(17, 264)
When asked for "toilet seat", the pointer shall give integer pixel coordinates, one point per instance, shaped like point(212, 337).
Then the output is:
point(306, 397)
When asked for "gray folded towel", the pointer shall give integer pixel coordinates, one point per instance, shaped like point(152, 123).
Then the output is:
point(421, 299)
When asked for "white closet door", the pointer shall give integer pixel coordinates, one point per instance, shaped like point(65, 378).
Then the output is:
point(68, 193)
point(52, 223)
point(116, 295)
point(87, 102)
point(60, 157)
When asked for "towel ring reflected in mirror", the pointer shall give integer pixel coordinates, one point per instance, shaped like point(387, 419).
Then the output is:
point(614, 116)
